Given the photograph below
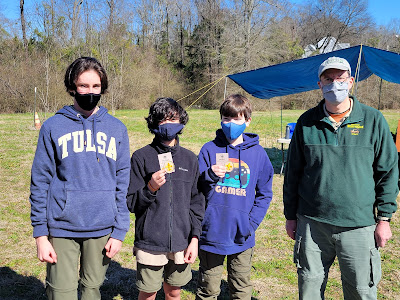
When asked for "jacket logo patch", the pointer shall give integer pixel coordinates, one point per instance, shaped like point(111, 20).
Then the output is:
point(355, 128)
point(358, 126)
point(182, 169)
point(355, 132)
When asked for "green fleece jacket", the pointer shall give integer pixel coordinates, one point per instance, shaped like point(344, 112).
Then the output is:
point(342, 177)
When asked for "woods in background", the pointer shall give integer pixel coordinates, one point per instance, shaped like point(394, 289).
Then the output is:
point(152, 48)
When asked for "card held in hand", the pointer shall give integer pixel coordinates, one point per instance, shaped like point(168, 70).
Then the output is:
point(166, 162)
point(222, 159)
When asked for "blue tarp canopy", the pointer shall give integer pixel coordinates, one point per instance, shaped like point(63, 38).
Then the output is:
point(302, 75)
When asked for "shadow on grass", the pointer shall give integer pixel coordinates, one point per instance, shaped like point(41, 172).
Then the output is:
point(275, 156)
point(120, 283)
point(16, 286)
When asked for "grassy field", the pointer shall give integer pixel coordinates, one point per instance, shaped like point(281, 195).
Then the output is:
point(274, 275)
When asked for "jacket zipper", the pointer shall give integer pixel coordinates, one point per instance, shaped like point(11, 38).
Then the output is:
point(171, 217)
point(337, 136)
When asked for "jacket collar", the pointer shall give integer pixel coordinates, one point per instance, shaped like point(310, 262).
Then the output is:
point(161, 148)
point(355, 116)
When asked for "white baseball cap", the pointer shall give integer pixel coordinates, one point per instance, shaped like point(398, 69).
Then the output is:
point(334, 63)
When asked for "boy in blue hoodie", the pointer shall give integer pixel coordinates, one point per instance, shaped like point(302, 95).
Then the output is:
point(163, 193)
point(236, 178)
point(80, 176)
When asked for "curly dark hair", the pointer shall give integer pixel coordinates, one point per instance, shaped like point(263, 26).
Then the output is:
point(81, 65)
point(165, 109)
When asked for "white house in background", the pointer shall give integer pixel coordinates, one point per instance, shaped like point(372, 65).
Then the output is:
point(325, 45)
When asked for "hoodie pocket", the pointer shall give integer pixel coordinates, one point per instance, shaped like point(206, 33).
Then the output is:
point(88, 209)
point(224, 225)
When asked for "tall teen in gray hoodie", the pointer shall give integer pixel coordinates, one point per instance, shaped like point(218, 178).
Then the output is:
point(80, 177)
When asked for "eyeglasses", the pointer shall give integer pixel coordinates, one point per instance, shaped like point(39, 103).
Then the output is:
point(328, 80)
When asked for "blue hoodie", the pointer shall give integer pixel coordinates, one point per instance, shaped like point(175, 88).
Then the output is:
point(236, 204)
point(80, 176)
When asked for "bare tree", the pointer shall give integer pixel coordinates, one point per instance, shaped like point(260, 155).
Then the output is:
point(341, 19)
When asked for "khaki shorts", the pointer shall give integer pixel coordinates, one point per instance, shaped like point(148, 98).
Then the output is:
point(149, 279)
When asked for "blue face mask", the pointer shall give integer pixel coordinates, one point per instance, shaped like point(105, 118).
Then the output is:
point(336, 92)
point(232, 130)
point(168, 131)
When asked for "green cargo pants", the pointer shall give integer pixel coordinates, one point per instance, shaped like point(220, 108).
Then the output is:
point(317, 245)
point(210, 272)
point(62, 277)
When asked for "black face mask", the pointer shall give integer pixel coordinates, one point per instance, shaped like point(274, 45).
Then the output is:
point(87, 101)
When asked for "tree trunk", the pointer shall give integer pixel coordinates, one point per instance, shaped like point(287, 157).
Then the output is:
point(23, 24)
point(75, 20)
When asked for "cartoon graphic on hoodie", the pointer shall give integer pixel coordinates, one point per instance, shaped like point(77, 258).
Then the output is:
point(237, 175)
point(80, 176)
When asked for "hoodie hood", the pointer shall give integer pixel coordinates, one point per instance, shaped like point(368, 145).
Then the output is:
point(249, 140)
point(71, 113)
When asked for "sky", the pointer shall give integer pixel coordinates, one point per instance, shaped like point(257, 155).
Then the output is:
point(382, 11)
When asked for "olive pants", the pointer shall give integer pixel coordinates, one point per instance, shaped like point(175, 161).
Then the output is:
point(210, 272)
point(63, 277)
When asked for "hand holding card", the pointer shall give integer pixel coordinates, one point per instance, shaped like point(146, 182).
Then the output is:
point(221, 162)
point(157, 180)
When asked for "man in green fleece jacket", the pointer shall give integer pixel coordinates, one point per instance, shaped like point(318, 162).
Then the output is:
point(340, 188)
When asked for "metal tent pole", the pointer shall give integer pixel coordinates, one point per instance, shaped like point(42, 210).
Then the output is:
point(226, 81)
point(380, 91)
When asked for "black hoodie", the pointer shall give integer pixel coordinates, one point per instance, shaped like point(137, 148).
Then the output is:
point(168, 219)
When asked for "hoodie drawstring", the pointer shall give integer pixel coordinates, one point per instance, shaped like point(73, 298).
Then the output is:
point(95, 136)
point(240, 167)
point(94, 133)
point(84, 129)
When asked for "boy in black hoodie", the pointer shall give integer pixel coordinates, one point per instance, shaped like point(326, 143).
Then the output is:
point(168, 206)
